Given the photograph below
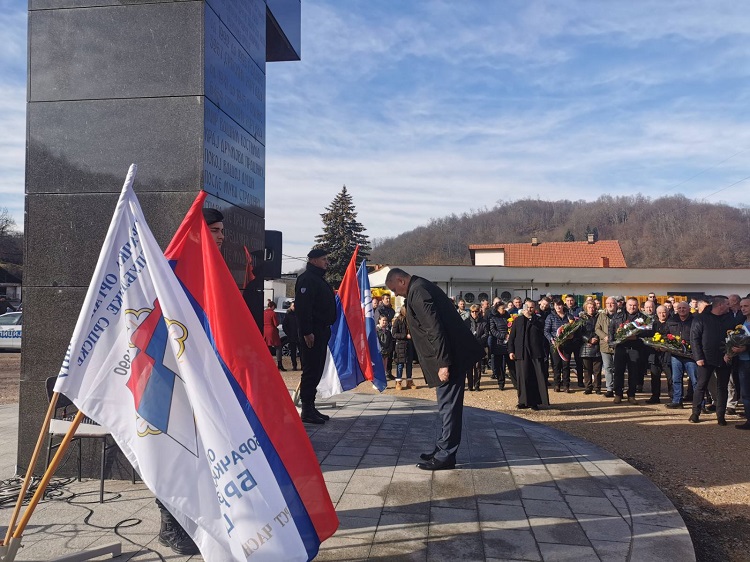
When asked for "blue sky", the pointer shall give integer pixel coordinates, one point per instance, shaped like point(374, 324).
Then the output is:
point(426, 108)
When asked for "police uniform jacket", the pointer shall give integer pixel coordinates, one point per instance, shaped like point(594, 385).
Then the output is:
point(440, 337)
point(314, 301)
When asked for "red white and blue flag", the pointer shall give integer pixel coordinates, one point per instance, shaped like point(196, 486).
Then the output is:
point(353, 354)
point(177, 370)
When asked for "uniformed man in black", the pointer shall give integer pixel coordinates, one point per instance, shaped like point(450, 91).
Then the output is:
point(315, 303)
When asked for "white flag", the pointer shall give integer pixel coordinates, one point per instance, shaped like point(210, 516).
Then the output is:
point(140, 364)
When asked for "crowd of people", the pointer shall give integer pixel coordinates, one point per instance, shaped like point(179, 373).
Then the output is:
point(524, 345)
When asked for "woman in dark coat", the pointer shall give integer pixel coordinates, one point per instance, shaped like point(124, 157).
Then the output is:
point(403, 354)
point(478, 328)
point(526, 346)
point(498, 329)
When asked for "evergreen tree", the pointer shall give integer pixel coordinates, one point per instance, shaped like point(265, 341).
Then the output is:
point(569, 237)
point(341, 234)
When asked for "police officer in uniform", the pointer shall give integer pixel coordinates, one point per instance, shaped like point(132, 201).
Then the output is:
point(315, 303)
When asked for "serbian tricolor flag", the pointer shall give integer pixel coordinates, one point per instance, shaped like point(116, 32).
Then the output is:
point(353, 354)
point(177, 371)
point(268, 413)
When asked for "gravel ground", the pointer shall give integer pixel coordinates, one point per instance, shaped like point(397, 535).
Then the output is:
point(702, 468)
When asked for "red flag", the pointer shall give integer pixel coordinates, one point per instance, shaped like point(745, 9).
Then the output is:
point(240, 346)
point(249, 275)
point(351, 304)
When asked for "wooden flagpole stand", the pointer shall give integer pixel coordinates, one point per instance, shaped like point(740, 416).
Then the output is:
point(10, 548)
point(30, 469)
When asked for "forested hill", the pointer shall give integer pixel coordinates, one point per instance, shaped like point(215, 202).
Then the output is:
point(665, 232)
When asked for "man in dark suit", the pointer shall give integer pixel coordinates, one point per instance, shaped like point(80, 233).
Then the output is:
point(446, 349)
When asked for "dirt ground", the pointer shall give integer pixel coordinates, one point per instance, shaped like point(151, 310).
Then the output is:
point(704, 469)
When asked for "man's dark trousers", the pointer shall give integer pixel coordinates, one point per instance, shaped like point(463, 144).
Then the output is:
point(450, 399)
point(313, 361)
point(704, 376)
point(630, 358)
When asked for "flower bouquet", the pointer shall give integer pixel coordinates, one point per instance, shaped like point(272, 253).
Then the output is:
point(565, 334)
point(632, 328)
point(669, 343)
point(737, 337)
point(511, 319)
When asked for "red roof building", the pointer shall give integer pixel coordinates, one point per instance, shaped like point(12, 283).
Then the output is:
point(599, 253)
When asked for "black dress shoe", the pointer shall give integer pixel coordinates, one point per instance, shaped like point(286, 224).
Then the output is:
point(674, 405)
point(609, 394)
point(434, 464)
point(323, 416)
point(653, 400)
point(694, 418)
point(429, 456)
point(745, 425)
point(731, 412)
point(521, 406)
point(721, 421)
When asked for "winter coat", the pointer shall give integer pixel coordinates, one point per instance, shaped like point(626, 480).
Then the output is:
point(553, 323)
point(678, 327)
point(400, 330)
point(314, 301)
point(386, 311)
point(385, 337)
point(271, 328)
point(478, 329)
point(707, 337)
point(291, 327)
point(586, 333)
point(601, 327)
point(498, 329)
point(440, 337)
point(619, 319)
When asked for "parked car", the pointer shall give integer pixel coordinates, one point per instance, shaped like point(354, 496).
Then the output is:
point(10, 330)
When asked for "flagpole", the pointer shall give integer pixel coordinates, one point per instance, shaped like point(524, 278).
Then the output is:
point(32, 463)
point(62, 448)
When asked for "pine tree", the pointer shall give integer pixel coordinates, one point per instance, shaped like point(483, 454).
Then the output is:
point(341, 234)
point(569, 237)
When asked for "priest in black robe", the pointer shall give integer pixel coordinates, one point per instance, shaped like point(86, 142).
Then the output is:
point(526, 346)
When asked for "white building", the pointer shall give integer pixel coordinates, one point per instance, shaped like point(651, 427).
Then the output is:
point(476, 282)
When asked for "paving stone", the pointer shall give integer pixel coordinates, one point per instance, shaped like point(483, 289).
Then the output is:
point(558, 530)
point(546, 508)
point(340, 460)
point(598, 527)
point(507, 544)
point(332, 473)
point(409, 493)
point(609, 551)
point(494, 516)
point(563, 552)
point(540, 493)
point(336, 490)
point(360, 505)
point(653, 543)
point(453, 488)
point(448, 522)
point(464, 547)
point(592, 506)
point(366, 484)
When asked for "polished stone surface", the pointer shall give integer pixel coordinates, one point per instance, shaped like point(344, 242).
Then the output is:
point(131, 51)
point(390, 510)
point(87, 146)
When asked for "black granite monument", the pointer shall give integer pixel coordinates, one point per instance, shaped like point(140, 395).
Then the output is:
point(177, 87)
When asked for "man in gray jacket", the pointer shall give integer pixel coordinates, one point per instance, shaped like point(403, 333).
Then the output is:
point(603, 319)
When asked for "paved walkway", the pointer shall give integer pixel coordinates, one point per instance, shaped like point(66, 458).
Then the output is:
point(521, 491)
